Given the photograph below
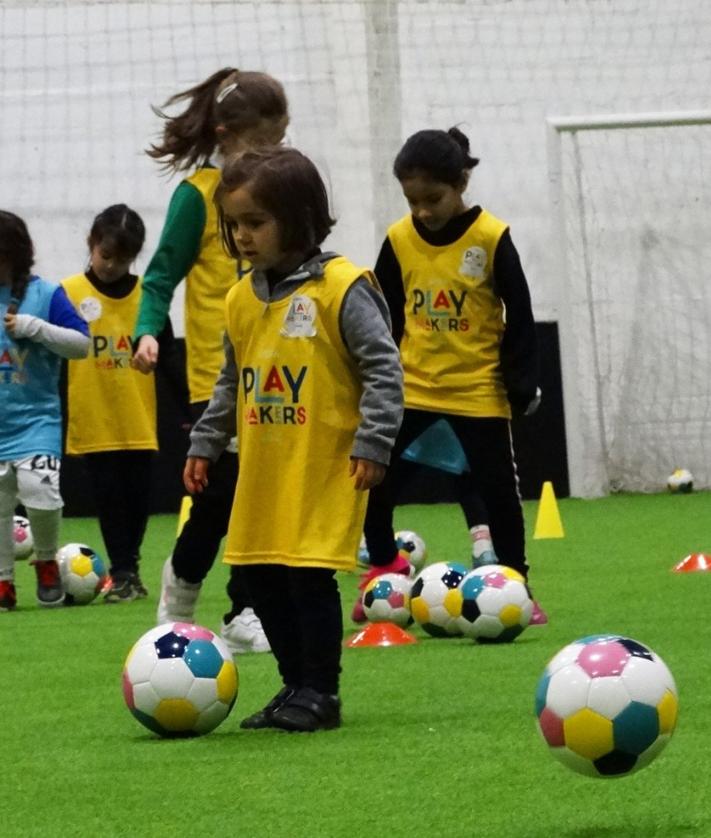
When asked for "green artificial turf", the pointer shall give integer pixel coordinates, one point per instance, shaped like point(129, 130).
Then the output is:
point(439, 738)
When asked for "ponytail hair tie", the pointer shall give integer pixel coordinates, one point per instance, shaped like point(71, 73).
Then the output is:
point(225, 92)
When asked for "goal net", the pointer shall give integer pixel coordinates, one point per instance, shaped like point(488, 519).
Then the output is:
point(633, 195)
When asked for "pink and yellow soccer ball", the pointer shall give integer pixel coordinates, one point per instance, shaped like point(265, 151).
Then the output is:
point(83, 573)
point(606, 705)
point(180, 679)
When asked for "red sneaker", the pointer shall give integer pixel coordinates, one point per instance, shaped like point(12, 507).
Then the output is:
point(538, 615)
point(49, 584)
point(8, 596)
point(399, 564)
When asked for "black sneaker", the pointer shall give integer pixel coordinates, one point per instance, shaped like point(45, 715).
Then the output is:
point(307, 711)
point(125, 587)
point(139, 587)
point(263, 718)
point(49, 583)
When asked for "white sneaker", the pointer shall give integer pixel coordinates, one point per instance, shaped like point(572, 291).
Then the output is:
point(244, 633)
point(177, 598)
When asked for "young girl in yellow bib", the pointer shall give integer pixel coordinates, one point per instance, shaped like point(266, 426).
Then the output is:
point(312, 383)
point(230, 111)
point(462, 316)
point(111, 406)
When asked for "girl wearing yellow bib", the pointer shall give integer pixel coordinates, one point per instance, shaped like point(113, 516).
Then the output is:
point(462, 316)
point(228, 112)
point(312, 383)
point(111, 407)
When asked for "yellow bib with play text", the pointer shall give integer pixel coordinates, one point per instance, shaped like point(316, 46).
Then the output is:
point(454, 320)
point(297, 414)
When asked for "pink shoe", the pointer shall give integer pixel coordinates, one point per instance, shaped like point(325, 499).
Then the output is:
point(399, 564)
point(538, 615)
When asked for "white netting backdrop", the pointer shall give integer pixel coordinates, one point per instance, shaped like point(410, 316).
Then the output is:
point(637, 205)
point(77, 78)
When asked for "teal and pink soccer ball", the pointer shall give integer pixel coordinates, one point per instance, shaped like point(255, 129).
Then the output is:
point(435, 600)
point(179, 679)
point(495, 604)
point(386, 599)
point(606, 705)
point(83, 573)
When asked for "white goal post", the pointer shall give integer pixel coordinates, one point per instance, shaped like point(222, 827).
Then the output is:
point(631, 208)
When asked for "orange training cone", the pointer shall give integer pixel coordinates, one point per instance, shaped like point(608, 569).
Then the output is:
point(380, 634)
point(185, 505)
point(548, 523)
point(695, 561)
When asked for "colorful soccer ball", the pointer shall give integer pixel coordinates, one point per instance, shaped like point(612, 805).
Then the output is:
point(83, 573)
point(435, 600)
point(386, 599)
point(680, 481)
point(413, 546)
point(606, 705)
point(494, 604)
point(179, 679)
point(22, 540)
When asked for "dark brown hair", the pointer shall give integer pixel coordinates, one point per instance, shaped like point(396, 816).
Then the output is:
point(287, 185)
point(442, 155)
point(234, 98)
point(16, 249)
point(120, 228)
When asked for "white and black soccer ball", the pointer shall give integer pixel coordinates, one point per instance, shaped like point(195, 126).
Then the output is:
point(680, 481)
point(435, 601)
point(413, 545)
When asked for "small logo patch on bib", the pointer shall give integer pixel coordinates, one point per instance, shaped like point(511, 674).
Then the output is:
point(300, 320)
point(473, 262)
point(90, 309)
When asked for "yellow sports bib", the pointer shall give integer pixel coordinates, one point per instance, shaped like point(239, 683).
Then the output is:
point(297, 414)
point(212, 275)
point(454, 321)
point(112, 407)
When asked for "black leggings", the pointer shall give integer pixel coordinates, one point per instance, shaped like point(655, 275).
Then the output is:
point(300, 610)
point(122, 485)
point(489, 450)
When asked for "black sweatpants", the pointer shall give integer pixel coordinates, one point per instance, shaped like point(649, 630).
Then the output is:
point(489, 450)
point(199, 541)
point(300, 610)
point(121, 481)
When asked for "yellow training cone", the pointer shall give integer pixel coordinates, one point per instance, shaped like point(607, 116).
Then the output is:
point(548, 523)
point(184, 513)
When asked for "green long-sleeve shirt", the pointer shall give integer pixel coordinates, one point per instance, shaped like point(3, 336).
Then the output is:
point(177, 250)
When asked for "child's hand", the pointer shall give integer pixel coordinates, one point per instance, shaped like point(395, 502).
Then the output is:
point(10, 323)
point(145, 358)
point(195, 474)
point(366, 472)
